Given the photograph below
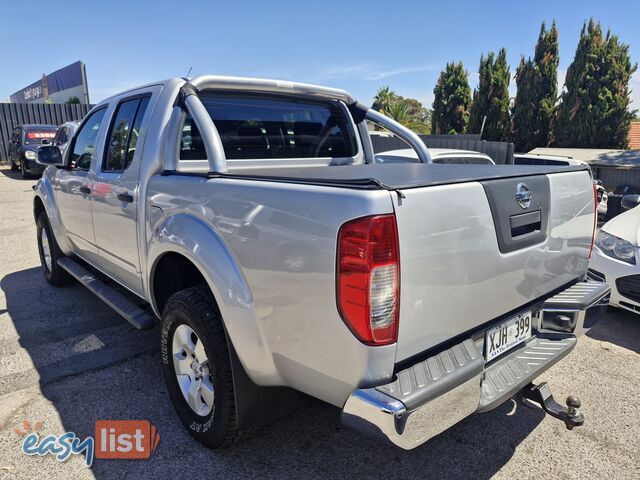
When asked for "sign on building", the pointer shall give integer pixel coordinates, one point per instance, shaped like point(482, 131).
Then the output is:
point(57, 87)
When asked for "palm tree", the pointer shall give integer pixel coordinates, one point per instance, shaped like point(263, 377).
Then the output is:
point(399, 111)
point(384, 99)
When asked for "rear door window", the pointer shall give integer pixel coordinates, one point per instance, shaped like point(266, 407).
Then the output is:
point(123, 134)
point(273, 127)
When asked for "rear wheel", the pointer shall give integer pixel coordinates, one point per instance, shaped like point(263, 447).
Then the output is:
point(50, 253)
point(197, 367)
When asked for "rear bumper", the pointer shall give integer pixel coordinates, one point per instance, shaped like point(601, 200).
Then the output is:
point(441, 390)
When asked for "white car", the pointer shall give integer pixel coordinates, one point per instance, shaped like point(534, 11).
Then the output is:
point(438, 155)
point(616, 259)
point(602, 197)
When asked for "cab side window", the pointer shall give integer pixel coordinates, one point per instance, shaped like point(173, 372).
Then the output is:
point(123, 134)
point(84, 144)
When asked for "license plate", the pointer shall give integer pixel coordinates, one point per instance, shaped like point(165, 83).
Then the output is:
point(507, 335)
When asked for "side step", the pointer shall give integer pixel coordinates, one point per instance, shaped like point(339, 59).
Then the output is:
point(125, 307)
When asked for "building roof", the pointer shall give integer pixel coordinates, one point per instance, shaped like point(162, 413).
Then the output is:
point(634, 136)
point(595, 156)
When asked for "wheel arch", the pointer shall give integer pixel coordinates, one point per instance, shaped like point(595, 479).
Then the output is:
point(44, 200)
point(191, 245)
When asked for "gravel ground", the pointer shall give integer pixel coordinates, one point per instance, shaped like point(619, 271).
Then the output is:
point(66, 360)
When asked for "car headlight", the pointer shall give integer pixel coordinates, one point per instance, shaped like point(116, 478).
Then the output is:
point(30, 155)
point(616, 247)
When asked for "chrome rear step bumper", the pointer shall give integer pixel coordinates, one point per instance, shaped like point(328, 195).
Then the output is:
point(510, 374)
point(435, 394)
point(576, 309)
point(423, 401)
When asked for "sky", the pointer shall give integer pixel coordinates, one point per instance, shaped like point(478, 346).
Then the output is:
point(355, 45)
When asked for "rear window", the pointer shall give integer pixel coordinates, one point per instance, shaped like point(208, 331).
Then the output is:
point(37, 137)
point(269, 127)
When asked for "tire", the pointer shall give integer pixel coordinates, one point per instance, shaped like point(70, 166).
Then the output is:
point(194, 310)
point(48, 247)
point(25, 175)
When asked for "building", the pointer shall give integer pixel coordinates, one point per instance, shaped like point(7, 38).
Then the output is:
point(634, 136)
point(57, 87)
point(613, 167)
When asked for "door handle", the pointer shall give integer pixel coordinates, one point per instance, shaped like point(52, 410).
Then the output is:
point(125, 197)
point(85, 190)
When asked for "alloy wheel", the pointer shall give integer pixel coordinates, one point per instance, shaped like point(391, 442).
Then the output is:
point(192, 370)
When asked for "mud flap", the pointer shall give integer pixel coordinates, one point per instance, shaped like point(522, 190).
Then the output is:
point(256, 405)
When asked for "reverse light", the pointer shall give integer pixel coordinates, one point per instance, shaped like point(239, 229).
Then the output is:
point(368, 280)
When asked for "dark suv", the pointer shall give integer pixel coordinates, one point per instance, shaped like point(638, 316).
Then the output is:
point(23, 147)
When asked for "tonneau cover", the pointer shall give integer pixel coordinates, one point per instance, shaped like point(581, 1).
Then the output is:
point(396, 176)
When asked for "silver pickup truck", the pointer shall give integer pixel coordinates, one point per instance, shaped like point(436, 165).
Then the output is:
point(253, 221)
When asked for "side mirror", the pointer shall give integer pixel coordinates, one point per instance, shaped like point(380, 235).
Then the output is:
point(49, 155)
point(630, 201)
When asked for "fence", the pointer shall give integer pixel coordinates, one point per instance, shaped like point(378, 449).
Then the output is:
point(500, 152)
point(14, 114)
point(614, 176)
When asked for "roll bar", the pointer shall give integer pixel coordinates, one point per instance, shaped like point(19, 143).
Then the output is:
point(401, 131)
point(188, 101)
point(218, 82)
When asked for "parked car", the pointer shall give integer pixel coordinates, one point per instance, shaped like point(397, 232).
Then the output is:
point(23, 147)
point(562, 161)
point(544, 159)
point(614, 199)
point(602, 198)
point(616, 258)
point(64, 135)
point(278, 255)
point(438, 155)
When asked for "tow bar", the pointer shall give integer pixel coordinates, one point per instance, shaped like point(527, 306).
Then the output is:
point(541, 394)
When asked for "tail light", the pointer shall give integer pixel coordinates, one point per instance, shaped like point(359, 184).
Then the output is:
point(369, 278)
point(595, 218)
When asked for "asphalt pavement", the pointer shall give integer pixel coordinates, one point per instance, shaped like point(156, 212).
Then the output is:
point(66, 360)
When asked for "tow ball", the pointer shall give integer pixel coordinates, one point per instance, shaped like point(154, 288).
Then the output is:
point(541, 394)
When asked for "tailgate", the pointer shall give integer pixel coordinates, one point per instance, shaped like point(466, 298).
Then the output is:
point(471, 252)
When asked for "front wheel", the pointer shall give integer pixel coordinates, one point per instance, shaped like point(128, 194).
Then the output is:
point(50, 253)
point(23, 170)
point(197, 367)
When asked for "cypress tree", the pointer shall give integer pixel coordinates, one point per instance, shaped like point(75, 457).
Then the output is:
point(594, 112)
point(452, 97)
point(491, 98)
point(535, 104)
